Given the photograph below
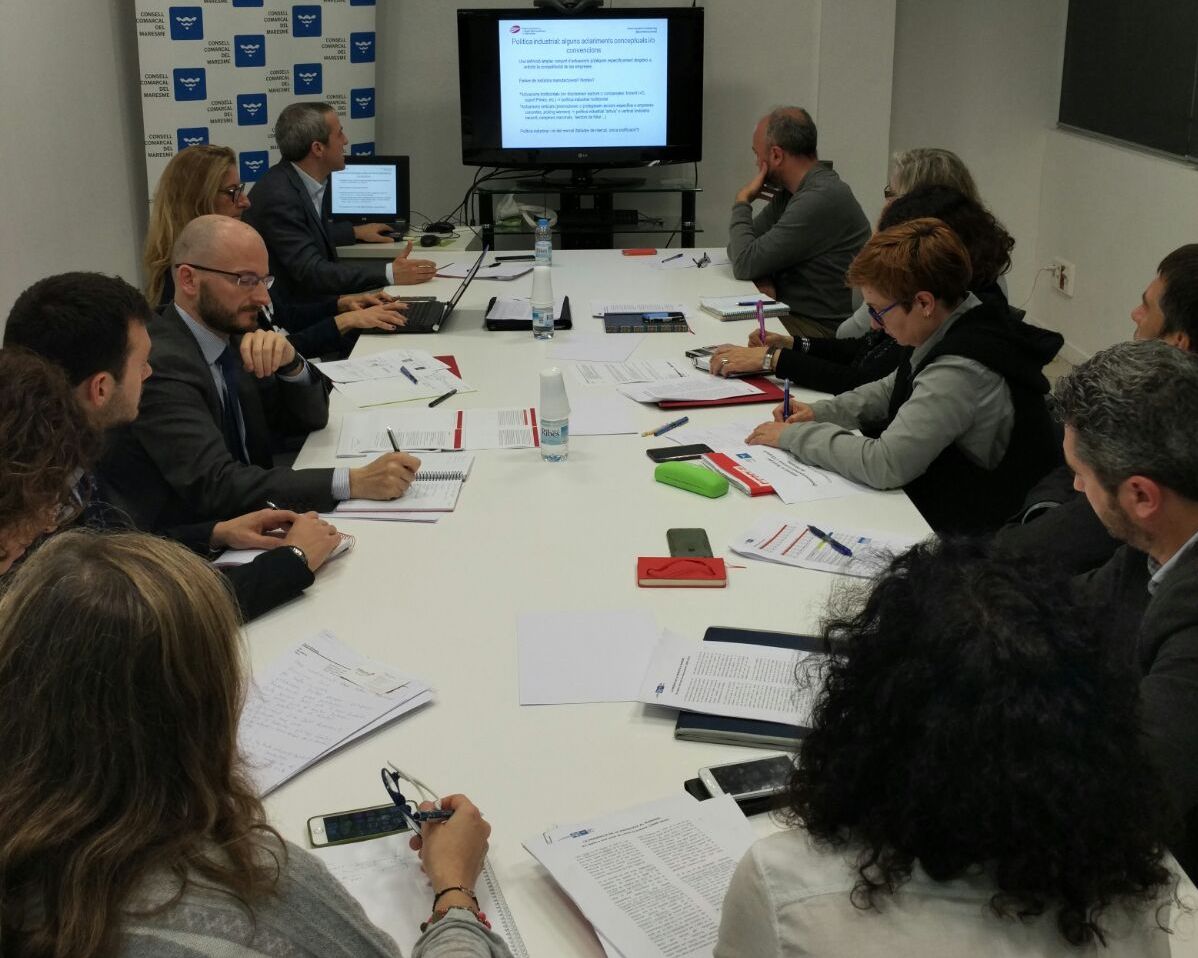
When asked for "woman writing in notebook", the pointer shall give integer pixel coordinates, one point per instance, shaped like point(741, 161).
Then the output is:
point(128, 825)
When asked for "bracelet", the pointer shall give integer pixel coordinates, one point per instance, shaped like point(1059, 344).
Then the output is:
point(439, 913)
point(292, 367)
point(804, 344)
point(468, 892)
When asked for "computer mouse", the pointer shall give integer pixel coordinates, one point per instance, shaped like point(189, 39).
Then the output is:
point(441, 226)
point(430, 239)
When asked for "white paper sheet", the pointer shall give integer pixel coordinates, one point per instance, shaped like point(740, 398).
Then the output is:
point(583, 656)
point(693, 387)
point(385, 876)
point(380, 392)
point(731, 679)
point(501, 271)
point(383, 516)
point(235, 557)
point(384, 365)
point(787, 540)
point(594, 347)
point(521, 308)
point(635, 371)
point(317, 696)
point(365, 433)
point(601, 306)
point(652, 878)
point(601, 414)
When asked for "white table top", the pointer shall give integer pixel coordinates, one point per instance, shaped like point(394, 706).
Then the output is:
point(441, 601)
point(466, 238)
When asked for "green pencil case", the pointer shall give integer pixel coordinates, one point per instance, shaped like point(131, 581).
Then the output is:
point(692, 478)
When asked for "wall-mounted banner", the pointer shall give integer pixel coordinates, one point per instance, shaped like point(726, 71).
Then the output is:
point(220, 71)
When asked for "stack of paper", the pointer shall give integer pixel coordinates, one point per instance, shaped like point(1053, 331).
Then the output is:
point(364, 433)
point(792, 542)
point(693, 387)
point(386, 878)
point(642, 371)
point(316, 697)
point(651, 879)
point(436, 488)
point(521, 308)
point(379, 379)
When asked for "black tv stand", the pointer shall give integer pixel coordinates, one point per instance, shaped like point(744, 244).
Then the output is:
point(580, 179)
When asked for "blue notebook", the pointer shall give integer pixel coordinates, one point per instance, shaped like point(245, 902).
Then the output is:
point(695, 727)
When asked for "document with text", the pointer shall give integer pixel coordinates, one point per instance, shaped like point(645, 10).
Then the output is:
point(365, 433)
point(693, 387)
point(644, 371)
point(652, 878)
point(385, 365)
point(790, 541)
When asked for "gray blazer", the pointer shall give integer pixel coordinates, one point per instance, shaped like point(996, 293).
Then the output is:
point(302, 246)
point(171, 466)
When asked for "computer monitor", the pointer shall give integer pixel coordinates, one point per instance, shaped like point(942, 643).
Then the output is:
point(371, 189)
point(605, 88)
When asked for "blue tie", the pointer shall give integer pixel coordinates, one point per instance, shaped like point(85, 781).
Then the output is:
point(231, 407)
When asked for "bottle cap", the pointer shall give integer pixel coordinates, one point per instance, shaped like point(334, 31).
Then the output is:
point(542, 286)
point(555, 404)
point(542, 222)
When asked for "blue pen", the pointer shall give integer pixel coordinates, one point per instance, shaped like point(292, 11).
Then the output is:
point(820, 534)
point(407, 372)
point(667, 427)
point(671, 258)
point(786, 400)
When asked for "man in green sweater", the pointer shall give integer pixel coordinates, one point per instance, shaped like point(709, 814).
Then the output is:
point(798, 247)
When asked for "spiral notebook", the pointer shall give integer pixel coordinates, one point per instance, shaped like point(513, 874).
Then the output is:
point(436, 488)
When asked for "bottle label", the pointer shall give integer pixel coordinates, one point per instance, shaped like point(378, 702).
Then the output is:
point(542, 317)
point(555, 432)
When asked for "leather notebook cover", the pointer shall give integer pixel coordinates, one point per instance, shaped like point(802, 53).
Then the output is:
point(680, 572)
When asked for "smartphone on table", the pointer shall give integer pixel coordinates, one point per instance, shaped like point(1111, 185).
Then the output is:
point(356, 825)
point(758, 778)
point(689, 542)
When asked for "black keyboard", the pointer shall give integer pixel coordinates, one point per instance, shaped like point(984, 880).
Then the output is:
point(422, 316)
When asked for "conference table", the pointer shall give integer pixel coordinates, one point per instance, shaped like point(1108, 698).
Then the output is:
point(441, 600)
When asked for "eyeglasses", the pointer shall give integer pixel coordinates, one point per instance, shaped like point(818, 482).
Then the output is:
point(888, 193)
point(702, 261)
point(392, 776)
point(243, 280)
point(877, 314)
point(234, 193)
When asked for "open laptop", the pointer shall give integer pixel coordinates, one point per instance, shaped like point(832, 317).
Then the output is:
point(372, 189)
point(429, 315)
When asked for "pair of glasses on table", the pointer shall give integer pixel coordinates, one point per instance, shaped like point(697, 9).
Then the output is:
point(702, 261)
point(394, 781)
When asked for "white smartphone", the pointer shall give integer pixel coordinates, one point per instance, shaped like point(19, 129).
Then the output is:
point(744, 780)
point(356, 825)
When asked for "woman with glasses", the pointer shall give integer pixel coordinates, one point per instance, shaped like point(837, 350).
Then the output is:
point(961, 425)
point(46, 444)
point(848, 361)
point(128, 825)
point(973, 783)
point(203, 179)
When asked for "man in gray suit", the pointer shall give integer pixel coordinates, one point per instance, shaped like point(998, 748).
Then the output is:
point(222, 395)
point(1129, 417)
point(292, 210)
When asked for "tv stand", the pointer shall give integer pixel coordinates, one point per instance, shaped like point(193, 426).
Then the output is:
point(580, 180)
point(593, 227)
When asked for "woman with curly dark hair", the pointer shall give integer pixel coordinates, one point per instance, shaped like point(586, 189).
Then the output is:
point(36, 476)
point(972, 784)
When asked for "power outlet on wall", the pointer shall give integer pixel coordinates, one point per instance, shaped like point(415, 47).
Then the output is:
point(1064, 276)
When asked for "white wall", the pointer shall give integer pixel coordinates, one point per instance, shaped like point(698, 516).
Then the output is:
point(983, 80)
point(833, 57)
point(1114, 212)
point(73, 184)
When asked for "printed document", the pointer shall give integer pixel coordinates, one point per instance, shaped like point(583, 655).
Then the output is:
point(521, 308)
point(652, 878)
point(317, 696)
point(385, 876)
point(693, 387)
point(642, 371)
point(732, 679)
point(384, 365)
point(583, 656)
point(789, 541)
point(365, 433)
point(381, 392)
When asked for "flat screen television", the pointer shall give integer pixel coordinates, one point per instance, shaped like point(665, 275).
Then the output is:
point(581, 92)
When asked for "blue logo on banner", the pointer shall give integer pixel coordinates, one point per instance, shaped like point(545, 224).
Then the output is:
point(192, 136)
point(247, 3)
point(306, 78)
point(361, 47)
point(362, 149)
point(191, 84)
point(249, 50)
point(305, 21)
point(251, 109)
point(361, 103)
point(253, 165)
point(187, 23)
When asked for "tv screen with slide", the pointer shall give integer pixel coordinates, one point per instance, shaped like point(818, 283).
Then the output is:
point(606, 88)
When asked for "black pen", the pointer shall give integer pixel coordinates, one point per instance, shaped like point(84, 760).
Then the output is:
point(525, 257)
point(441, 399)
point(391, 436)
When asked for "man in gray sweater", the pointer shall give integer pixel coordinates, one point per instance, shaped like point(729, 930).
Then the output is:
point(798, 248)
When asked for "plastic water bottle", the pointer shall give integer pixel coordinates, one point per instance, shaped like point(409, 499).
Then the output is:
point(542, 303)
point(555, 416)
point(542, 243)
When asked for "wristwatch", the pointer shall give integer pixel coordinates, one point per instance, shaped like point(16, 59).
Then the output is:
point(293, 367)
point(771, 355)
point(299, 554)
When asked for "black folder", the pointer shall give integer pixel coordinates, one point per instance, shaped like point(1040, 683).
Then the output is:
point(564, 321)
point(696, 727)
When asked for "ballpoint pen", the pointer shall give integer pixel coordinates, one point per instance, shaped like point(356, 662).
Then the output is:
point(761, 320)
point(391, 436)
point(758, 302)
point(786, 400)
point(820, 534)
point(674, 257)
point(440, 399)
point(667, 427)
point(407, 372)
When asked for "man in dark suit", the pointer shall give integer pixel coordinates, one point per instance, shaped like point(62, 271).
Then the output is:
point(1129, 417)
point(94, 328)
point(292, 211)
point(223, 394)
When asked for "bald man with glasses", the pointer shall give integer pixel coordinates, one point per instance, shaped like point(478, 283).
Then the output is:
point(224, 396)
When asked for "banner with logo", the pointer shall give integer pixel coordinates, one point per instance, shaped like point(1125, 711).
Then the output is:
point(221, 71)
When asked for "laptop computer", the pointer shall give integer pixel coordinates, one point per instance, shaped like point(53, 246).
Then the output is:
point(429, 315)
point(372, 189)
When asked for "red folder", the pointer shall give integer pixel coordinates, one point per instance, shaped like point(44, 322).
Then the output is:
point(770, 392)
point(736, 474)
point(451, 363)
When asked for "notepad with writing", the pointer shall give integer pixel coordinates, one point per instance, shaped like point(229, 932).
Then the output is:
point(680, 572)
point(436, 488)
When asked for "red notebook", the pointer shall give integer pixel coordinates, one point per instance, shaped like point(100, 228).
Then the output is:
point(451, 363)
point(736, 473)
point(680, 572)
point(770, 392)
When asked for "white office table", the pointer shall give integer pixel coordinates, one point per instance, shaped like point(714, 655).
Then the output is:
point(441, 601)
point(467, 238)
